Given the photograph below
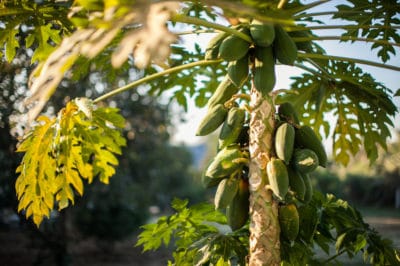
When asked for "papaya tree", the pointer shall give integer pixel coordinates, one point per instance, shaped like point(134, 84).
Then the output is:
point(269, 142)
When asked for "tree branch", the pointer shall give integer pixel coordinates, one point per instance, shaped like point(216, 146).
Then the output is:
point(343, 38)
point(348, 59)
point(155, 76)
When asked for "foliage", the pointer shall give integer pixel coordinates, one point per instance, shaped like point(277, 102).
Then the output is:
point(199, 235)
point(381, 13)
point(81, 143)
point(354, 97)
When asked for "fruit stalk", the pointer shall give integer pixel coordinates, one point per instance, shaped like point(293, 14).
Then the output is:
point(264, 222)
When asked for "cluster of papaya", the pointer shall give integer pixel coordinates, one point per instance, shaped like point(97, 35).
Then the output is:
point(269, 43)
point(298, 153)
point(228, 171)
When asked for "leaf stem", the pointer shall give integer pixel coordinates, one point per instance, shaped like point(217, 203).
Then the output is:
point(326, 13)
point(344, 27)
point(333, 257)
point(208, 24)
point(348, 59)
point(343, 38)
point(155, 76)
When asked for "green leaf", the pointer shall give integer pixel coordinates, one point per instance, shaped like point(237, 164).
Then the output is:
point(397, 94)
point(362, 108)
point(79, 143)
point(11, 44)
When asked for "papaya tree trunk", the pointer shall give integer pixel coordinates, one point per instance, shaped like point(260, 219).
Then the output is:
point(264, 224)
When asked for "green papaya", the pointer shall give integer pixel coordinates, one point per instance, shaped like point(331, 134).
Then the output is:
point(264, 70)
point(212, 49)
point(210, 181)
point(232, 127)
point(212, 120)
point(284, 142)
point(238, 71)
point(287, 113)
point(225, 90)
point(263, 34)
point(285, 49)
point(305, 137)
point(289, 221)
point(309, 188)
point(226, 190)
point(223, 164)
point(296, 183)
point(309, 217)
point(233, 47)
point(237, 212)
point(278, 177)
point(305, 160)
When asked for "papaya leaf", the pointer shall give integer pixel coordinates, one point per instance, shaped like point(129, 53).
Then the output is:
point(361, 108)
point(382, 13)
point(397, 94)
point(80, 143)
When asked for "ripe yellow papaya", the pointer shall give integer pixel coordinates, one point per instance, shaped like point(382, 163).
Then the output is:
point(289, 221)
point(287, 113)
point(278, 177)
point(263, 34)
point(285, 49)
point(305, 160)
point(238, 71)
point(226, 190)
point(296, 184)
point(305, 137)
point(237, 212)
point(233, 47)
point(264, 70)
point(284, 142)
point(212, 49)
point(232, 127)
point(225, 90)
point(212, 120)
point(222, 165)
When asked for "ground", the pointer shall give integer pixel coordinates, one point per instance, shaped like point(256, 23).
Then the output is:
point(16, 249)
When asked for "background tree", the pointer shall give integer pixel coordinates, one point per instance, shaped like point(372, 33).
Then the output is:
point(331, 84)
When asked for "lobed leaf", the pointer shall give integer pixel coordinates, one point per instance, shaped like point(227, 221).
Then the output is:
point(81, 143)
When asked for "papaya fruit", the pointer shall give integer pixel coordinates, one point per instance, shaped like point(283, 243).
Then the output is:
point(278, 177)
point(212, 49)
point(309, 217)
point(284, 142)
point(305, 160)
point(222, 164)
point(263, 34)
point(226, 190)
point(305, 137)
point(296, 184)
point(225, 90)
point(289, 221)
point(211, 181)
point(285, 49)
point(233, 47)
point(237, 212)
point(212, 120)
point(309, 188)
point(264, 70)
point(232, 127)
point(238, 71)
point(287, 113)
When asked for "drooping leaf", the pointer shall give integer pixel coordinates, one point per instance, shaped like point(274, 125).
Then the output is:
point(359, 108)
point(80, 143)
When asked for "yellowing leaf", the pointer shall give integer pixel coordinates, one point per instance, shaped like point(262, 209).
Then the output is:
point(79, 143)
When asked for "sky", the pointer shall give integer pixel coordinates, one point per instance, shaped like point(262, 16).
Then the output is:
point(185, 132)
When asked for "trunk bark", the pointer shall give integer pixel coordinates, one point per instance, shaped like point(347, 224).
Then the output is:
point(264, 223)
